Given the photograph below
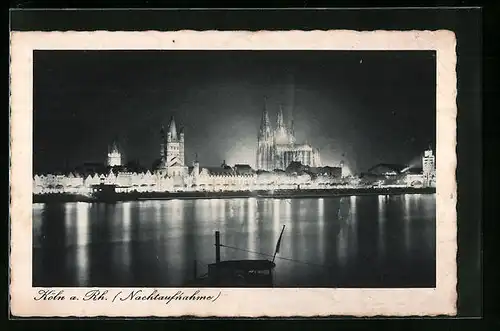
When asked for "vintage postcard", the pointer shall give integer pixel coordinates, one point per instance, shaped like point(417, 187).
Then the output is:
point(238, 174)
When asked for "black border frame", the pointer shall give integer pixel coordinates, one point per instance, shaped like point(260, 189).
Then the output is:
point(465, 22)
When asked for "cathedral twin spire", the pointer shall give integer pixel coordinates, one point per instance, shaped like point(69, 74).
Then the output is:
point(114, 147)
point(283, 134)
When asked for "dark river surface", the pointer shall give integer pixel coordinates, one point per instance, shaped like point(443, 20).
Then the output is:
point(364, 241)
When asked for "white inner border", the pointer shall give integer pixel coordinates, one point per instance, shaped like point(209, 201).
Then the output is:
point(237, 302)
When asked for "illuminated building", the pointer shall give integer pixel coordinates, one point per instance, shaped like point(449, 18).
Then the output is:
point(114, 156)
point(277, 148)
point(429, 168)
point(410, 176)
point(172, 151)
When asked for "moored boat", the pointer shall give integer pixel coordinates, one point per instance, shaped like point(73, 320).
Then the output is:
point(238, 273)
point(104, 193)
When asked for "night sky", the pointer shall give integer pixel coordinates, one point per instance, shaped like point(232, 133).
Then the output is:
point(365, 107)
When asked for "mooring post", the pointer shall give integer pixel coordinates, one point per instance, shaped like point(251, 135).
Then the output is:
point(217, 246)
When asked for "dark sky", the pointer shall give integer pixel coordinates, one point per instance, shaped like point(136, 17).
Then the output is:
point(366, 107)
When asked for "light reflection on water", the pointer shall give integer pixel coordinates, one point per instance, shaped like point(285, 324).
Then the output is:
point(321, 233)
point(382, 202)
point(251, 219)
point(407, 219)
point(126, 236)
point(347, 242)
point(82, 226)
point(276, 217)
point(353, 222)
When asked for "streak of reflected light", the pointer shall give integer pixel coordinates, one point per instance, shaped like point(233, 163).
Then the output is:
point(202, 210)
point(158, 210)
point(353, 200)
point(38, 210)
point(302, 210)
point(175, 253)
point(288, 210)
point(321, 228)
point(222, 213)
point(251, 219)
point(175, 209)
point(126, 206)
point(70, 231)
point(353, 221)
point(82, 237)
point(353, 227)
point(382, 199)
point(276, 217)
point(213, 210)
point(241, 211)
point(69, 218)
point(407, 220)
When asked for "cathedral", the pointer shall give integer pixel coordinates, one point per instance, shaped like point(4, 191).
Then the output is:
point(277, 148)
point(172, 161)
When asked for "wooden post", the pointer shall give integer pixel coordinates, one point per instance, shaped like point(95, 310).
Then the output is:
point(217, 246)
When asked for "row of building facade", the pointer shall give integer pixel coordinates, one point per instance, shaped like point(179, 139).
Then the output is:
point(219, 180)
point(212, 180)
point(281, 163)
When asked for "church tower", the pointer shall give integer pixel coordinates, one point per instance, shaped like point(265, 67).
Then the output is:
point(114, 156)
point(173, 151)
point(265, 143)
point(429, 168)
point(162, 146)
point(181, 146)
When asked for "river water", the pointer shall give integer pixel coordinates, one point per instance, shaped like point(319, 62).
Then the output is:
point(364, 241)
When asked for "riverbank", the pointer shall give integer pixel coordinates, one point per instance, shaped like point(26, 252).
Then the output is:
point(276, 194)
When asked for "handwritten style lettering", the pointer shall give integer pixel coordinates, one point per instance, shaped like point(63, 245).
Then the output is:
point(95, 295)
point(49, 295)
point(140, 295)
point(134, 295)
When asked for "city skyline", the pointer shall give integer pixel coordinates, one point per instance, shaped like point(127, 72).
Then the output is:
point(362, 108)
